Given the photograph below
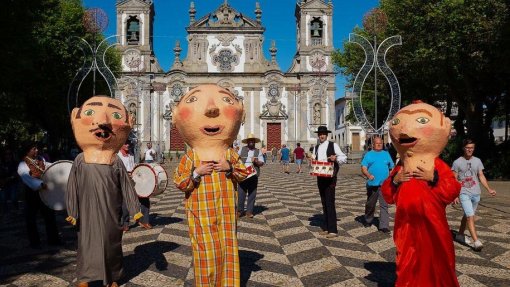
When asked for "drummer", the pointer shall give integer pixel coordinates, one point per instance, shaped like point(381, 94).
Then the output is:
point(30, 169)
point(129, 162)
point(328, 151)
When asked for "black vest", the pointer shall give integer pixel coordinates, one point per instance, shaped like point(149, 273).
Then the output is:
point(244, 156)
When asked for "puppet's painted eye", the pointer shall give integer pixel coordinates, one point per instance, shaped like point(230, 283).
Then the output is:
point(395, 121)
point(191, 99)
point(117, 116)
point(422, 120)
point(88, 112)
point(228, 100)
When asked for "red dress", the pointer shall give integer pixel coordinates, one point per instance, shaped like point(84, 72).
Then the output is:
point(425, 253)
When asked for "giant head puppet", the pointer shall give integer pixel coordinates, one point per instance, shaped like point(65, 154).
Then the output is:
point(419, 132)
point(101, 126)
point(208, 118)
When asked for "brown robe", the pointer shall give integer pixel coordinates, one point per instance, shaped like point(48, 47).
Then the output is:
point(94, 197)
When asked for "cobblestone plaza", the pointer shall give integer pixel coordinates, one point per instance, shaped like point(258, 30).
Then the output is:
point(280, 246)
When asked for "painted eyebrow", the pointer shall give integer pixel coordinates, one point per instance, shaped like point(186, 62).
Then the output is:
point(416, 111)
point(94, 104)
point(192, 93)
point(114, 106)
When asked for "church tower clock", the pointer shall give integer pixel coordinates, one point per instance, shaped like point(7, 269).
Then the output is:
point(314, 36)
point(135, 29)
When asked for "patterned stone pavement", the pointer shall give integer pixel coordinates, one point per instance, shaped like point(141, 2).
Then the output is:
point(280, 246)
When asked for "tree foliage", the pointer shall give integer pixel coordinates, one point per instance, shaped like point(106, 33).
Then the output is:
point(452, 51)
point(39, 60)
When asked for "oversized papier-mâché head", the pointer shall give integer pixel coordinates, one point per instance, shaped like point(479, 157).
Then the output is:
point(208, 118)
point(419, 132)
point(101, 126)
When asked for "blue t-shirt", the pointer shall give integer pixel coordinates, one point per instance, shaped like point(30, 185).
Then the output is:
point(285, 153)
point(378, 164)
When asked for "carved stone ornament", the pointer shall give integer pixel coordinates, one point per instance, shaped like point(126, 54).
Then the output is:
point(176, 92)
point(225, 39)
point(273, 109)
point(225, 60)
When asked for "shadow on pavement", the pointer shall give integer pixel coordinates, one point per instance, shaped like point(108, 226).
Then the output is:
point(383, 273)
point(144, 256)
point(361, 219)
point(259, 209)
point(316, 220)
point(247, 260)
point(157, 220)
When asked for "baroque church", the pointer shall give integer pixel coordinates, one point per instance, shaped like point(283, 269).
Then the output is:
point(225, 47)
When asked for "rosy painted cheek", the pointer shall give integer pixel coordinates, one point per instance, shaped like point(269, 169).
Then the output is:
point(427, 131)
point(87, 121)
point(184, 113)
point(232, 113)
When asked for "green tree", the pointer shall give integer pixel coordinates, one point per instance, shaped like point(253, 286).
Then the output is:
point(453, 51)
point(39, 61)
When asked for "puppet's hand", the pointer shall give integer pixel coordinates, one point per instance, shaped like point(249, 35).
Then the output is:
point(402, 176)
point(71, 220)
point(205, 168)
point(424, 174)
point(222, 165)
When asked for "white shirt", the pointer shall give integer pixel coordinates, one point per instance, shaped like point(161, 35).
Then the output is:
point(148, 154)
point(322, 153)
point(128, 160)
point(30, 181)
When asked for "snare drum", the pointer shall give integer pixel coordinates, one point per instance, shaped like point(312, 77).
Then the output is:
point(55, 177)
point(150, 179)
point(251, 171)
point(322, 168)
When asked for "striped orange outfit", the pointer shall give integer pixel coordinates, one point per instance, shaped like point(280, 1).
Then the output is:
point(211, 212)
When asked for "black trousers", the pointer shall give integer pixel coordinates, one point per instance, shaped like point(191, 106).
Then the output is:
point(145, 206)
point(33, 205)
point(327, 192)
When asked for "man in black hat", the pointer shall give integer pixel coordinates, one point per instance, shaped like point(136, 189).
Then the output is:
point(328, 151)
point(253, 160)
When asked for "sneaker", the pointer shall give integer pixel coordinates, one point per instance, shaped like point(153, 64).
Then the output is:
point(468, 241)
point(249, 214)
point(332, 235)
point(477, 245)
point(323, 232)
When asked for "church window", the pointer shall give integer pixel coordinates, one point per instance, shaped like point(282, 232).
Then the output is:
point(316, 30)
point(133, 30)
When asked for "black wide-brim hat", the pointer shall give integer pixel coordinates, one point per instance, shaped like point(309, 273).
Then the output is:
point(322, 129)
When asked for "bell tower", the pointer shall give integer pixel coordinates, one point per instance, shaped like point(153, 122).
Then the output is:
point(135, 29)
point(314, 36)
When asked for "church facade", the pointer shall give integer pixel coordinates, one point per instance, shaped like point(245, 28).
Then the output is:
point(225, 47)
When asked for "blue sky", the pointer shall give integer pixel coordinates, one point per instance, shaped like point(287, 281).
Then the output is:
point(277, 17)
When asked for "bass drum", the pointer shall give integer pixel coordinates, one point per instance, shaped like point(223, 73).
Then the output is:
point(150, 179)
point(55, 177)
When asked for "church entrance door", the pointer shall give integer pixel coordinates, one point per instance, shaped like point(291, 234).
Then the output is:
point(274, 135)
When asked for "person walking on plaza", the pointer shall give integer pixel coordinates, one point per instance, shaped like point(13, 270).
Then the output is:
point(253, 160)
point(376, 165)
point(263, 150)
point(150, 154)
point(328, 151)
point(129, 162)
point(285, 158)
point(30, 169)
point(468, 169)
point(299, 155)
point(274, 153)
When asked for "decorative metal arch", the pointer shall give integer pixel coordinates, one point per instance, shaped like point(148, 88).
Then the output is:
point(374, 60)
